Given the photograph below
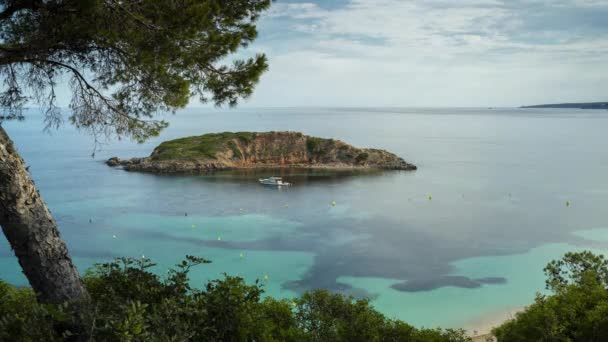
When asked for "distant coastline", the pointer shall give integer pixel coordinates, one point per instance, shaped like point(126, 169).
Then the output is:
point(582, 105)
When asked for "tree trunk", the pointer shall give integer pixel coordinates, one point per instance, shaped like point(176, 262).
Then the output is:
point(32, 232)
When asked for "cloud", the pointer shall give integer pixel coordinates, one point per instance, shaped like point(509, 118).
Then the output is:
point(303, 10)
point(434, 52)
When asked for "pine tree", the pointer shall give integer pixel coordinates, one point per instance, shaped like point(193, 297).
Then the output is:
point(126, 61)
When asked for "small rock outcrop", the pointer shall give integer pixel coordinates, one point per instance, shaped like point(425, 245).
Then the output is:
point(222, 151)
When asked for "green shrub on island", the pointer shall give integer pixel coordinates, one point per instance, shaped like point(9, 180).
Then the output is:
point(577, 310)
point(315, 145)
point(362, 157)
point(245, 150)
point(130, 303)
point(204, 146)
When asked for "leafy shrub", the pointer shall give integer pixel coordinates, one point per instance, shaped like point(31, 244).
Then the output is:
point(245, 137)
point(129, 303)
point(362, 157)
point(235, 150)
point(204, 146)
point(312, 144)
point(23, 319)
point(577, 310)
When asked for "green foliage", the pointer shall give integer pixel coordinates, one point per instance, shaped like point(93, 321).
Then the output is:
point(235, 150)
point(245, 137)
point(362, 157)
point(201, 147)
point(334, 317)
point(312, 144)
point(315, 146)
point(573, 267)
point(23, 319)
point(129, 303)
point(126, 60)
point(577, 310)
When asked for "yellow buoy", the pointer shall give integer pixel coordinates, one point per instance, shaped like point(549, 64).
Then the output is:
point(266, 278)
point(219, 238)
point(294, 304)
point(333, 204)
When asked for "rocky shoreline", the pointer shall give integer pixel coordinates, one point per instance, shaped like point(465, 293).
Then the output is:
point(248, 150)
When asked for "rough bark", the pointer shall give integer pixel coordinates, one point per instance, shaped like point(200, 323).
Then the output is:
point(32, 232)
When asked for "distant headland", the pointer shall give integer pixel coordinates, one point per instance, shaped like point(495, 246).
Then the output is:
point(584, 105)
point(241, 150)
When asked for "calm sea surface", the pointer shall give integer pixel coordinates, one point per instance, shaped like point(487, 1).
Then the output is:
point(464, 237)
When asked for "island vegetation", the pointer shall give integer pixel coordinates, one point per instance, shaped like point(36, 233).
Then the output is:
point(228, 150)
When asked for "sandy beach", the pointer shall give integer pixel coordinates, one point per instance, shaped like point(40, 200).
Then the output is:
point(481, 327)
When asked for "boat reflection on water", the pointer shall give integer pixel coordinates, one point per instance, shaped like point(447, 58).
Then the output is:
point(295, 176)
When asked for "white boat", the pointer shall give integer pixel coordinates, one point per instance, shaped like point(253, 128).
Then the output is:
point(276, 181)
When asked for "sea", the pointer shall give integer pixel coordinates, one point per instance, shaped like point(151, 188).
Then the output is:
point(498, 194)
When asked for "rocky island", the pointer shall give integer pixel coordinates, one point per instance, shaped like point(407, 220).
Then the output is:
point(240, 150)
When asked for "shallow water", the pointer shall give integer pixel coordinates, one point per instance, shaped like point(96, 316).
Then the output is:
point(498, 182)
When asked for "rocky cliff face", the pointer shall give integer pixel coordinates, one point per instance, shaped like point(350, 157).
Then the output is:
point(263, 150)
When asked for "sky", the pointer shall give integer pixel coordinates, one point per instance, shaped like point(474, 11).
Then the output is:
point(429, 53)
point(432, 53)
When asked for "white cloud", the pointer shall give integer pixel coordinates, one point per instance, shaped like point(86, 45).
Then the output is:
point(570, 3)
point(432, 52)
point(303, 10)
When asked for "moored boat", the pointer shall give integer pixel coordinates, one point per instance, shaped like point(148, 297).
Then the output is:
point(275, 181)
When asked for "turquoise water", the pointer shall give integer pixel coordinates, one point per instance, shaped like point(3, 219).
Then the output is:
point(499, 181)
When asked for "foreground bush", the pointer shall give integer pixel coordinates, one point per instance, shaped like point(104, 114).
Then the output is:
point(129, 303)
point(576, 311)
